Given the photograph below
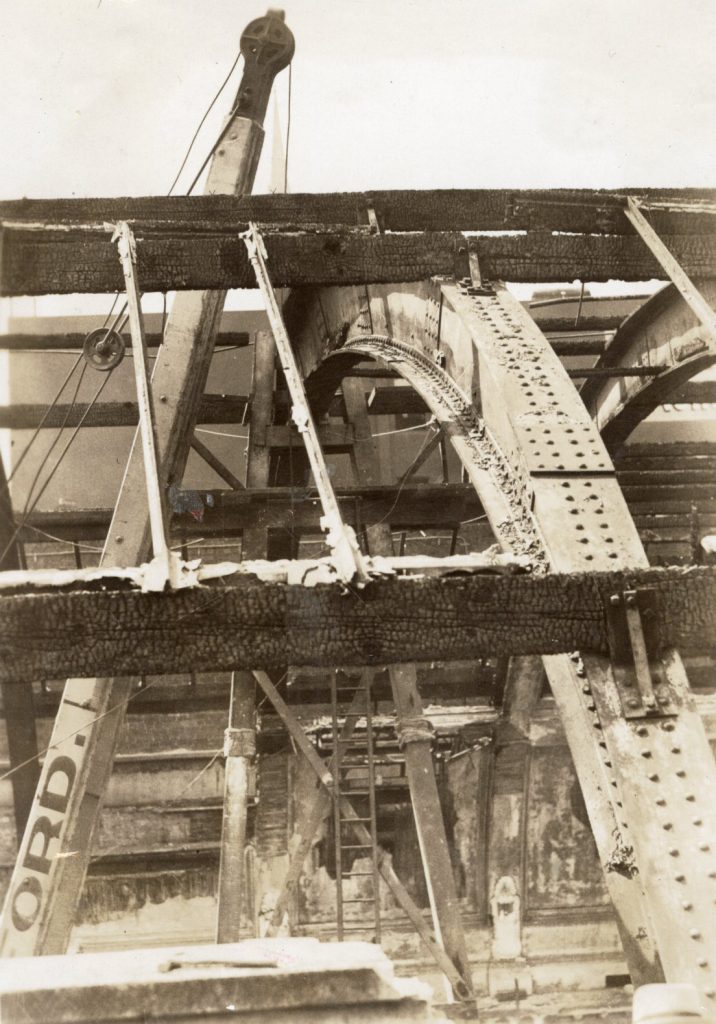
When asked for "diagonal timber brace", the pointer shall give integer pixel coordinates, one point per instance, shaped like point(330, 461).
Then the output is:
point(54, 854)
point(323, 772)
point(689, 292)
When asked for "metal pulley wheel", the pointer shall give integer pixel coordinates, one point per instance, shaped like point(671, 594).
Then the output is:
point(103, 349)
point(268, 41)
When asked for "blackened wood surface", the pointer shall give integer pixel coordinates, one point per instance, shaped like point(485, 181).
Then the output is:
point(35, 263)
point(243, 623)
point(580, 210)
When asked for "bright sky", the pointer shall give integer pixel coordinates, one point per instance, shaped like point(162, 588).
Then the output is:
point(102, 96)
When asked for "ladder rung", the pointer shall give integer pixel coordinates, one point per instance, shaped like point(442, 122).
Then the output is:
point(357, 874)
point(357, 846)
point(348, 821)
point(365, 899)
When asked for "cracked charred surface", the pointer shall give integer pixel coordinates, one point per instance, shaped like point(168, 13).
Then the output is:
point(37, 263)
point(250, 624)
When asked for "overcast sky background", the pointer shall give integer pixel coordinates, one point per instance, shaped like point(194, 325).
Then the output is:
point(102, 96)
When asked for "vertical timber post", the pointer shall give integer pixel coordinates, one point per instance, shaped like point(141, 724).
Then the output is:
point(239, 752)
point(240, 738)
point(18, 700)
point(414, 732)
point(46, 883)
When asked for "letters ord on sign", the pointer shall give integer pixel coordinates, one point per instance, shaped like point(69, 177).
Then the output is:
point(39, 848)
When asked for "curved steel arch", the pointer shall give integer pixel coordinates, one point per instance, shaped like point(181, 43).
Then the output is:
point(663, 333)
point(553, 447)
point(505, 497)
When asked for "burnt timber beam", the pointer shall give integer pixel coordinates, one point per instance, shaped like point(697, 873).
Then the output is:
point(571, 346)
point(247, 623)
point(60, 342)
point(232, 512)
point(228, 409)
point(212, 409)
point(415, 507)
point(34, 265)
point(577, 210)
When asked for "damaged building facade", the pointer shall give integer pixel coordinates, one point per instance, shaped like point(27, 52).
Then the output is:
point(394, 622)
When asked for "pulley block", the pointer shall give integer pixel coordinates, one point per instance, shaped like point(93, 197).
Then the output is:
point(103, 349)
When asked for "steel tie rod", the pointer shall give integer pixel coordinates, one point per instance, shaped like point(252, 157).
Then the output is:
point(340, 537)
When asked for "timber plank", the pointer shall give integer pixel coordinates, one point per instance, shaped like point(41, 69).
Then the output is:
point(248, 624)
point(35, 265)
point(580, 210)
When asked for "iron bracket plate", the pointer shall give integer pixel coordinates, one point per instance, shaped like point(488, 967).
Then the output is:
point(632, 623)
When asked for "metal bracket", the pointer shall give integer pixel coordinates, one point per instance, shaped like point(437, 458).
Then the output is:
point(373, 221)
point(475, 283)
point(633, 643)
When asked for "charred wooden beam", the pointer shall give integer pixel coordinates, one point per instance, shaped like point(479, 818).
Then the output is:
point(227, 514)
point(577, 345)
point(246, 623)
point(577, 210)
point(385, 401)
point(231, 512)
point(73, 340)
point(227, 409)
point(34, 264)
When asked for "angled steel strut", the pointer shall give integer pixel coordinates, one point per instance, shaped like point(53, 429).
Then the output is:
point(340, 537)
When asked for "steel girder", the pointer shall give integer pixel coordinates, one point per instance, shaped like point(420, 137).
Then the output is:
point(663, 333)
point(652, 824)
